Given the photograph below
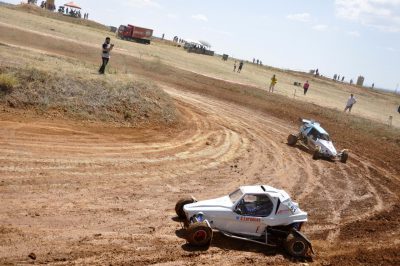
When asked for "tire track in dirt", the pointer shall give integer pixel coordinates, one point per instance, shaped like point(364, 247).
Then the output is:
point(124, 183)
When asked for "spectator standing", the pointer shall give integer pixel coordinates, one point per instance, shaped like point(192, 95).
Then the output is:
point(240, 66)
point(350, 102)
point(274, 80)
point(305, 87)
point(234, 67)
point(105, 55)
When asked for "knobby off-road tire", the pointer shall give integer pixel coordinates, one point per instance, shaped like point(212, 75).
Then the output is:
point(344, 157)
point(296, 246)
point(292, 140)
point(317, 153)
point(179, 207)
point(199, 234)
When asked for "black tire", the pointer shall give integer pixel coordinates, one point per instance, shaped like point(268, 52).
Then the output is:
point(296, 246)
point(317, 154)
point(344, 157)
point(292, 140)
point(179, 207)
point(199, 234)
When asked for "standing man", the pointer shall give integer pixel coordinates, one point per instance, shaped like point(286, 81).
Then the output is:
point(105, 55)
point(274, 80)
point(240, 66)
point(305, 87)
point(234, 67)
point(350, 102)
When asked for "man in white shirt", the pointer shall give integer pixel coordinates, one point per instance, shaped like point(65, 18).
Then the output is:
point(350, 102)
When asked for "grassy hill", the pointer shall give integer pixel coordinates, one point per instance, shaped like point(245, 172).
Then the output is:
point(56, 86)
point(35, 10)
point(375, 105)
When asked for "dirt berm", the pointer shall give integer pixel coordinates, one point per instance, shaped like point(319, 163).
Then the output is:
point(95, 99)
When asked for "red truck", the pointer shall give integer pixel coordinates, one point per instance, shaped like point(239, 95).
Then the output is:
point(134, 33)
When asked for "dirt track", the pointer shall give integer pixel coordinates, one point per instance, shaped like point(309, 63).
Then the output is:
point(97, 195)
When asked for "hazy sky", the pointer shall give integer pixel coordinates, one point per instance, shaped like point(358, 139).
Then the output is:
point(348, 37)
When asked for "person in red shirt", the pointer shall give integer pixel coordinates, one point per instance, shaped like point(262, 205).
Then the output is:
point(305, 87)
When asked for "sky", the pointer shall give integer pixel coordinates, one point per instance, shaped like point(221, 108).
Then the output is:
point(345, 37)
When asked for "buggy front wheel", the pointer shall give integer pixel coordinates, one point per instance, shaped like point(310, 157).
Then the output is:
point(317, 153)
point(199, 234)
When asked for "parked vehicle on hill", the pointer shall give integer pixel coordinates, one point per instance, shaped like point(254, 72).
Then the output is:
point(197, 48)
point(134, 33)
point(260, 214)
point(315, 138)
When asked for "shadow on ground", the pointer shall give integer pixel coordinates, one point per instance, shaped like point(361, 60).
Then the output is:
point(225, 243)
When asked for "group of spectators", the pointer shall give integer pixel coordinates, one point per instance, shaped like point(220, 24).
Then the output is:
point(72, 12)
point(107, 47)
point(239, 69)
point(257, 61)
point(178, 40)
point(76, 13)
point(349, 104)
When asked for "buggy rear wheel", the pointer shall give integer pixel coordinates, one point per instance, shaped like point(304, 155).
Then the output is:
point(292, 139)
point(199, 234)
point(344, 157)
point(296, 246)
point(179, 207)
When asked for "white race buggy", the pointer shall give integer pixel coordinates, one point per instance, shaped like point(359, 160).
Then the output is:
point(260, 214)
point(315, 138)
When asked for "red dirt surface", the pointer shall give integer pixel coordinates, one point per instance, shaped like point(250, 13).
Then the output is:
point(95, 194)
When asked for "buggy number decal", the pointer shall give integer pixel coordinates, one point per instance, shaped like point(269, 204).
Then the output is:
point(248, 219)
point(292, 207)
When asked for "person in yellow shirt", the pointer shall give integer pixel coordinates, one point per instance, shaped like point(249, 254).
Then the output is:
point(274, 80)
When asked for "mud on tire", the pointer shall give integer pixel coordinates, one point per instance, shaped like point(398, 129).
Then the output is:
point(199, 234)
point(296, 246)
point(179, 206)
point(292, 140)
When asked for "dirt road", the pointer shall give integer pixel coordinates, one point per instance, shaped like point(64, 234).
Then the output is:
point(97, 194)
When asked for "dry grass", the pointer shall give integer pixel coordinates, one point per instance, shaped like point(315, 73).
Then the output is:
point(7, 83)
point(51, 84)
